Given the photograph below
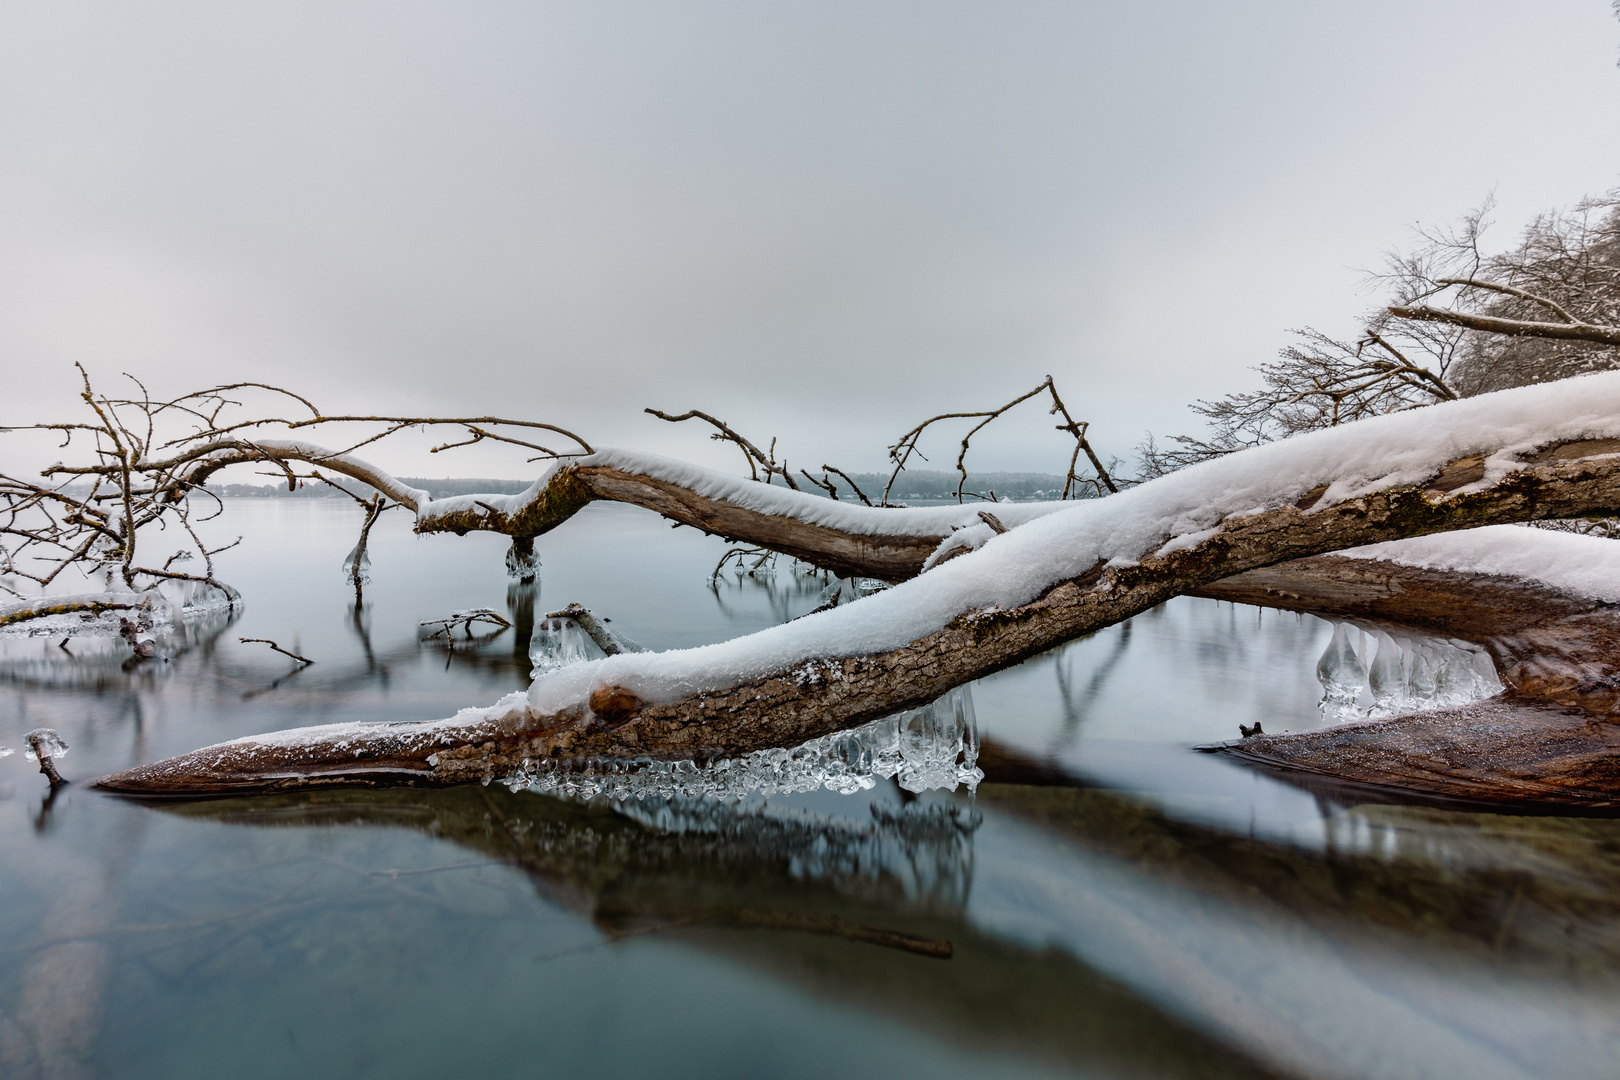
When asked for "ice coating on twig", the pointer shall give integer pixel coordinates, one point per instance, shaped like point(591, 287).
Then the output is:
point(357, 566)
point(45, 741)
point(558, 643)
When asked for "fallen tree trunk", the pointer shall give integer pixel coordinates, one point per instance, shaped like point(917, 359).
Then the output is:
point(1526, 454)
point(1512, 753)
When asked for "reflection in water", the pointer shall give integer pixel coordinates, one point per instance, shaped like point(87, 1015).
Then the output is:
point(1167, 919)
point(1179, 918)
point(855, 905)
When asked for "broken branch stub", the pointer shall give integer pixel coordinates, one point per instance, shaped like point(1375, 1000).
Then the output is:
point(44, 745)
point(306, 661)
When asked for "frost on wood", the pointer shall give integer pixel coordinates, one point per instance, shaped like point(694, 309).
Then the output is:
point(1547, 451)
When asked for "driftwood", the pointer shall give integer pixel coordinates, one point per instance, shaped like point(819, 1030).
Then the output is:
point(306, 661)
point(786, 708)
point(465, 620)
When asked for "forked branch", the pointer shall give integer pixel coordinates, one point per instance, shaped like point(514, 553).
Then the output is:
point(907, 445)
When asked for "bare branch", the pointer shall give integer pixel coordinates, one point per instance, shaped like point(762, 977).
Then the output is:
point(853, 486)
point(907, 445)
point(1491, 324)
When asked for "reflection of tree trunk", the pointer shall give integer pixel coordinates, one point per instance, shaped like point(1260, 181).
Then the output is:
point(764, 893)
point(54, 1031)
point(790, 706)
point(1445, 892)
point(521, 598)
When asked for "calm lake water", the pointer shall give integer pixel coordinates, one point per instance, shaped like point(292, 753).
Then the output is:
point(1116, 904)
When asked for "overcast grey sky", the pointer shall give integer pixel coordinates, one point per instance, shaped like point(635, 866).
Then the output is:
point(822, 221)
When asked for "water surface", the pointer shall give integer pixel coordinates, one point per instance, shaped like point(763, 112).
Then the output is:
point(1115, 904)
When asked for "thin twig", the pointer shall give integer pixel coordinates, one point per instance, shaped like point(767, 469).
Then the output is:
point(277, 648)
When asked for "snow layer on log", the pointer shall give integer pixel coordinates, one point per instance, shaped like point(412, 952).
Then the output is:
point(1015, 567)
point(1568, 562)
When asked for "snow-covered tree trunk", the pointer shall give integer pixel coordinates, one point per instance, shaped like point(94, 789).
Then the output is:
point(1539, 452)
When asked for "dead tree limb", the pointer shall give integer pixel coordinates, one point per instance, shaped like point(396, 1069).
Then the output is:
point(357, 565)
point(465, 619)
point(853, 486)
point(605, 639)
point(764, 460)
point(44, 744)
point(1493, 324)
point(907, 445)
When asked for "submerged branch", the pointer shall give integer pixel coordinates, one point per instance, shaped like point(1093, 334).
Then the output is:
point(284, 652)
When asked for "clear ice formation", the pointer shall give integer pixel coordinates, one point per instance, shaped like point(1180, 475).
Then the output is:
point(1407, 674)
point(1341, 674)
point(173, 603)
point(49, 739)
point(6, 751)
point(364, 569)
point(559, 643)
point(521, 564)
point(936, 746)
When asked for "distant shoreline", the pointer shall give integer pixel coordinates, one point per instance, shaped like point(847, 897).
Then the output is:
point(913, 484)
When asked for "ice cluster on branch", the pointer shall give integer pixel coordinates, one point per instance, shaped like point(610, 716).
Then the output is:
point(934, 747)
point(1392, 674)
point(166, 605)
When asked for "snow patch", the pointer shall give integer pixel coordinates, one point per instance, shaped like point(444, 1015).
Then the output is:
point(1568, 562)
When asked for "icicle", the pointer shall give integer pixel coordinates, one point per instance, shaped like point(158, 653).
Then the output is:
point(1387, 677)
point(1342, 676)
point(349, 568)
